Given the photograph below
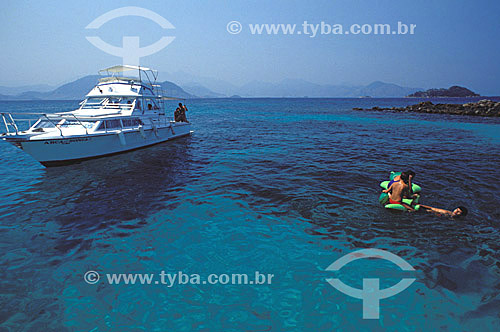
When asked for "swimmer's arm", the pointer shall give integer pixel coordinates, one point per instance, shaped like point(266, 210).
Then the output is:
point(410, 185)
point(425, 206)
point(388, 189)
point(435, 210)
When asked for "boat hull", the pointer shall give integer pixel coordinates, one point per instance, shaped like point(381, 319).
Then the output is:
point(67, 150)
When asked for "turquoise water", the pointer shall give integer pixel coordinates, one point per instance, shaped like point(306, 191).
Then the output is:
point(279, 186)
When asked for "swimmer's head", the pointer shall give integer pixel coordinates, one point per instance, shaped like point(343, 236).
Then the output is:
point(405, 177)
point(460, 211)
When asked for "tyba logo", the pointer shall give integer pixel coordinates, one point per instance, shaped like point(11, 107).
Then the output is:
point(130, 52)
point(371, 294)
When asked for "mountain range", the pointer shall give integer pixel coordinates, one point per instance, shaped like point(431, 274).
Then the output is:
point(4, 90)
point(76, 90)
point(286, 88)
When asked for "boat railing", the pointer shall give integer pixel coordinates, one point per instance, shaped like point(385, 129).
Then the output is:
point(11, 124)
point(80, 122)
point(9, 121)
point(109, 106)
point(161, 97)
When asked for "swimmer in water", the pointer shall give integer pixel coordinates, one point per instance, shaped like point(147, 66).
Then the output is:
point(460, 211)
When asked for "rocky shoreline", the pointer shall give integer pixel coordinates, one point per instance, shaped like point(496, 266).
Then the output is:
point(481, 108)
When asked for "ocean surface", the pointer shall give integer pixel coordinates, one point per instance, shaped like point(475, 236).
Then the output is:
point(279, 186)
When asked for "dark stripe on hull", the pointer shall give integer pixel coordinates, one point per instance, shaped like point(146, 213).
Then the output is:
point(56, 163)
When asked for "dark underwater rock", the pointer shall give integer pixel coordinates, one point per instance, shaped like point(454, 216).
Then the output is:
point(483, 107)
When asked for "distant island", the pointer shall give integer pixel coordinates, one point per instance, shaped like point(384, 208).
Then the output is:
point(454, 91)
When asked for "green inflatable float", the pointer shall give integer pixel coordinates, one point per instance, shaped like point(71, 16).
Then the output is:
point(384, 198)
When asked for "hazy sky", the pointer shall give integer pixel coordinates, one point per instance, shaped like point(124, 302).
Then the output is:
point(455, 42)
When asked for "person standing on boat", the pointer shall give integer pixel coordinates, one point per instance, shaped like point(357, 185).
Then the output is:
point(183, 110)
point(177, 114)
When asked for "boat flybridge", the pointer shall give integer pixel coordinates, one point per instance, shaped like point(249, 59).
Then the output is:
point(119, 114)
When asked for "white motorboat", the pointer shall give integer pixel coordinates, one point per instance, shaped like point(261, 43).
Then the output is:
point(119, 114)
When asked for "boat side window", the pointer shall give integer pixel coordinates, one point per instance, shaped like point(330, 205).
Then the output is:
point(113, 124)
point(131, 122)
point(110, 125)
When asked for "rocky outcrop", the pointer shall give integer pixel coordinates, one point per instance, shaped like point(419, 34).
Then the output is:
point(481, 108)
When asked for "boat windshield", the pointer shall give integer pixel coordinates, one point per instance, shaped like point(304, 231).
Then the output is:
point(44, 124)
point(114, 103)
